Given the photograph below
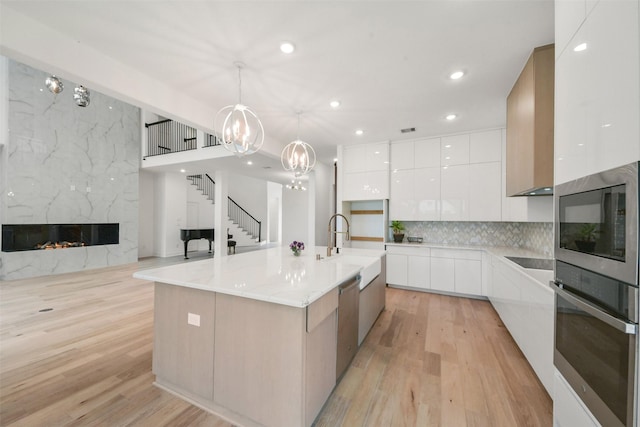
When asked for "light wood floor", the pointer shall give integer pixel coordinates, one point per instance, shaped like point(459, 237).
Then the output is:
point(430, 360)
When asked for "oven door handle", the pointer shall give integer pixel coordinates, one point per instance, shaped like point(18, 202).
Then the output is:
point(614, 322)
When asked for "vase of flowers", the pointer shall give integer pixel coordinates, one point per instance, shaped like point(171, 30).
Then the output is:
point(296, 247)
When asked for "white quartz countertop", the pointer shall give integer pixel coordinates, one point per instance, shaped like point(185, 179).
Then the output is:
point(272, 275)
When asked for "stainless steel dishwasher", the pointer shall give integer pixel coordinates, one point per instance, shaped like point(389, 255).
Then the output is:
point(348, 302)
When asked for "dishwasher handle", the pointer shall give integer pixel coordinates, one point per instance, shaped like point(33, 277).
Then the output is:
point(344, 287)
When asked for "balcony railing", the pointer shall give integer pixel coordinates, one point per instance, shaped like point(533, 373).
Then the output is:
point(168, 136)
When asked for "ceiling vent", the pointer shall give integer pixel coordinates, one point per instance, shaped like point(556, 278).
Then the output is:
point(407, 130)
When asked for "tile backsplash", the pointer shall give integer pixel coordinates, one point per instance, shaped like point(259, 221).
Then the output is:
point(536, 236)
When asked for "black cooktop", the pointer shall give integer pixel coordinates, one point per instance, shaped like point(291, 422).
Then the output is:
point(535, 263)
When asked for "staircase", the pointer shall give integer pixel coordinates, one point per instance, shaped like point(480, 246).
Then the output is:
point(246, 230)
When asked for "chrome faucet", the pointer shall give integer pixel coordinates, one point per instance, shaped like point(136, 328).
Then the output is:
point(329, 246)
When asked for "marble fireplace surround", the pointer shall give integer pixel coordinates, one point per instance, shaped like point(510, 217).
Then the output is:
point(34, 237)
point(64, 164)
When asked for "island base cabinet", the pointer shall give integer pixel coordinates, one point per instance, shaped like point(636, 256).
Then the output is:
point(268, 367)
point(183, 338)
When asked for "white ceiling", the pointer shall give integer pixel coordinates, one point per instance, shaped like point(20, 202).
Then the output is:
point(388, 62)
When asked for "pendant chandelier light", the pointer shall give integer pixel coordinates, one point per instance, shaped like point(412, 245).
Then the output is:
point(81, 96)
point(54, 84)
point(240, 128)
point(296, 185)
point(298, 156)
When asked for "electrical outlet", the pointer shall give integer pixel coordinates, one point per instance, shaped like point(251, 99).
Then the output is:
point(193, 319)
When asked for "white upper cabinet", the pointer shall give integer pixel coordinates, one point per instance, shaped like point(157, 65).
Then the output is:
point(402, 154)
point(597, 100)
point(427, 153)
point(485, 146)
point(454, 150)
point(454, 195)
point(453, 178)
point(427, 193)
point(424, 153)
point(365, 172)
point(485, 191)
point(377, 157)
point(354, 159)
point(403, 202)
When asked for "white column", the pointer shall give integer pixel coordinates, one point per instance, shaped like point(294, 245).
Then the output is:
point(221, 209)
point(311, 200)
point(170, 213)
point(4, 133)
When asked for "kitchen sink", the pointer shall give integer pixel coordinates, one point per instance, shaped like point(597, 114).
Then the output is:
point(532, 263)
point(371, 266)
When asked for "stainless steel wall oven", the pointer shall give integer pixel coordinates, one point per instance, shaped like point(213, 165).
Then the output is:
point(596, 284)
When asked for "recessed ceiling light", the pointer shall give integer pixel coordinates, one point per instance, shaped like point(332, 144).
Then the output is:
point(447, 146)
point(580, 47)
point(451, 116)
point(287, 47)
point(359, 132)
point(335, 159)
point(249, 162)
point(606, 125)
point(182, 171)
point(456, 75)
point(335, 103)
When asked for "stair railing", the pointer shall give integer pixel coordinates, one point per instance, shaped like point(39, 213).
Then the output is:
point(235, 212)
point(244, 219)
point(168, 136)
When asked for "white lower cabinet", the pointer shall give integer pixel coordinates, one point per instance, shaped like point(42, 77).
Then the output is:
point(468, 276)
point(568, 410)
point(397, 269)
point(458, 271)
point(446, 270)
point(443, 274)
point(418, 271)
point(525, 306)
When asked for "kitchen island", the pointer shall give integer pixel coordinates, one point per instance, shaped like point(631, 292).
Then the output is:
point(253, 337)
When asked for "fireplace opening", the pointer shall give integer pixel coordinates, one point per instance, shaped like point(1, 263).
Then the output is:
point(33, 237)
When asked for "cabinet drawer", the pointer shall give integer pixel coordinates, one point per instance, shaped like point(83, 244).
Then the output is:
point(456, 254)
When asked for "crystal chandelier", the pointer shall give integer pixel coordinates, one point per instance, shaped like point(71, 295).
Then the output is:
point(298, 156)
point(241, 130)
point(296, 185)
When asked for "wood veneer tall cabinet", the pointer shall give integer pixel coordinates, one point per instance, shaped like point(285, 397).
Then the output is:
point(530, 125)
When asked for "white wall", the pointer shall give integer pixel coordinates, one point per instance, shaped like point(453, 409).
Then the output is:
point(251, 194)
point(295, 214)
point(274, 216)
point(202, 210)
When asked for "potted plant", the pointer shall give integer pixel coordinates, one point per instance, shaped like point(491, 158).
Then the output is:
point(586, 240)
point(398, 228)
